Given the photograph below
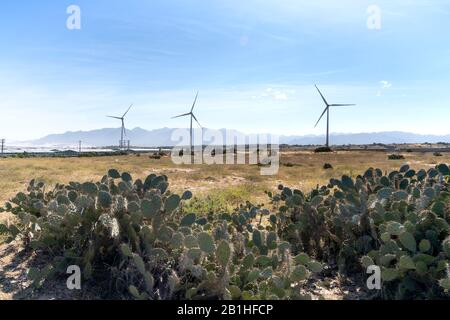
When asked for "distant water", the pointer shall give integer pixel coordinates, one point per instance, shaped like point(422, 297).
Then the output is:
point(59, 148)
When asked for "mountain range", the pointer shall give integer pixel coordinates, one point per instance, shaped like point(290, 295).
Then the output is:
point(162, 137)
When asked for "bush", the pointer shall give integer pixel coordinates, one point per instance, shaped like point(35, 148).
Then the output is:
point(138, 234)
point(399, 222)
point(396, 157)
point(289, 164)
point(323, 149)
point(327, 166)
point(437, 154)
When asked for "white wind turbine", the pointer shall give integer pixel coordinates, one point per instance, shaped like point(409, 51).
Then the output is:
point(327, 110)
point(191, 114)
point(123, 130)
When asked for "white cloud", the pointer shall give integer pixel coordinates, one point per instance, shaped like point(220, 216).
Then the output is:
point(384, 85)
point(281, 96)
point(277, 94)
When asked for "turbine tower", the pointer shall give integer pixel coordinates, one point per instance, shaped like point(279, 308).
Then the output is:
point(191, 114)
point(327, 110)
point(123, 131)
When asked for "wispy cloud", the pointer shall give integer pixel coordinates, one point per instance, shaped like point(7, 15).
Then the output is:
point(384, 85)
point(277, 94)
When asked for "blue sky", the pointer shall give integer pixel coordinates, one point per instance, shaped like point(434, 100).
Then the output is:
point(255, 63)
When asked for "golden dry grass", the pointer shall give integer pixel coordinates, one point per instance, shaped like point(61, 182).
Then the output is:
point(303, 170)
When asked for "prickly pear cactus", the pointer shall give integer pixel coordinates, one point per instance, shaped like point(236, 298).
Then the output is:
point(142, 235)
point(398, 221)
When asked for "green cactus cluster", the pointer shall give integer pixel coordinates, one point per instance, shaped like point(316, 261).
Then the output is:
point(140, 234)
point(398, 221)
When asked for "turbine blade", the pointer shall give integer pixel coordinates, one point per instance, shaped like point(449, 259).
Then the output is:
point(342, 105)
point(323, 98)
point(127, 111)
point(114, 117)
point(195, 101)
point(181, 115)
point(321, 116)
point(193, 116)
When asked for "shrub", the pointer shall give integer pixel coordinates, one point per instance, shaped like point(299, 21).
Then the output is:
point(138, 233)
point(323, 149)
point(398, 221)
point(327, 166)
point(396, 157)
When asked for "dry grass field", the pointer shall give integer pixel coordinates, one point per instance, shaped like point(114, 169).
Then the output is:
point(234, 183)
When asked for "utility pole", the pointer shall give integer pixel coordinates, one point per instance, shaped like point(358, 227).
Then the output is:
point(79, 146)
point(3, 144)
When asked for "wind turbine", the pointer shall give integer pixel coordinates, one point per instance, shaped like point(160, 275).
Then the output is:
point(123, 131)
point(192, 118)
point(327, 110)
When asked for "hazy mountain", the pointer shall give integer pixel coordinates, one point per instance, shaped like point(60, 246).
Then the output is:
point(367, 138)
point(109, 137)
point(162, 137)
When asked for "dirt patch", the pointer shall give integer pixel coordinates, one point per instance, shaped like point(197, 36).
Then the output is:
point(173, 170)
point(205, 185)
point(15, 262)
point(334, 288)
point(14, 265)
